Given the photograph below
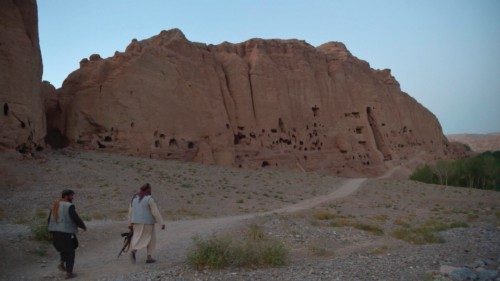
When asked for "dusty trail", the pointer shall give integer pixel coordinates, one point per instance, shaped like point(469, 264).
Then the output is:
point(97, 259)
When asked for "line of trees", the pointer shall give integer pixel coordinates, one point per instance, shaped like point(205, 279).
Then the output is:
point(481, 171)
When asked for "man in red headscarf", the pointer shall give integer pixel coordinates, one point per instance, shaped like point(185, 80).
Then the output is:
point(143, 214)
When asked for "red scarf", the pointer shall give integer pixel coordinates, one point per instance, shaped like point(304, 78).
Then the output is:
point(143, 193)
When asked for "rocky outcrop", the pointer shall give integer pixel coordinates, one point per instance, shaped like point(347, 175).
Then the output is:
point(22, 122)
point(258, 103)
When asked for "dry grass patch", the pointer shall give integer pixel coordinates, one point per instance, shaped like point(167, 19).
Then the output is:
point(425, 233)
point(368, 227)
point(38, 226)
point(323, 215)
point(343, 222)
point(253, 250)
point(320, 250)
point(380, 217)
point(378, 250)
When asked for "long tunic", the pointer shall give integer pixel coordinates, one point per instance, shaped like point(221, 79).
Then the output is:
point(144, 234)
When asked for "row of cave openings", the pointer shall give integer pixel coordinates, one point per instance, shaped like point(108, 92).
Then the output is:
point(312, 131)
point(159, 139)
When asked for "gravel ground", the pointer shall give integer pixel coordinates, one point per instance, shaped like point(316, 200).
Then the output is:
point(321, 252)
point(192, 195)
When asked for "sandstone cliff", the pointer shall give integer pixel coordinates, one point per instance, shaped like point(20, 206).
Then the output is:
point(22, 122)
point(283, 103)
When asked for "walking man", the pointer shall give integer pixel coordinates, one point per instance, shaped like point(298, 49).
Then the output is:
point(63, 225)
point(143, 214)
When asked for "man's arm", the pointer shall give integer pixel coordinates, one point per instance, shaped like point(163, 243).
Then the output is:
point(48, 218)
point(76, 219)
point(130, 216)
point(156, 212)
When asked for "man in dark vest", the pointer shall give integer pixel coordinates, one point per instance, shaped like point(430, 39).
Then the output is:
point(63, 225)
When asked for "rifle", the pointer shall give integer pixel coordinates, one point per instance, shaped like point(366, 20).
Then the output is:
point(127, 238)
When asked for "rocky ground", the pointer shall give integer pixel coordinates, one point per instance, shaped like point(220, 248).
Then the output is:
point(329, 237)
point(321, 250)
point(104, 184)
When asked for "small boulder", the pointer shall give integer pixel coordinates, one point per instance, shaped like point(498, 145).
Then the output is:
point(478, 263)
point(447, 269)
point(486, 274)
point(462, 274)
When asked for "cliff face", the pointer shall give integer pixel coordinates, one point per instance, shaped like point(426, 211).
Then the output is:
point(283, 103)
point(22, 122)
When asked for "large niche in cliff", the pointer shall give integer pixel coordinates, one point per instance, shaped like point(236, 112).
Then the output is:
point(377, 135)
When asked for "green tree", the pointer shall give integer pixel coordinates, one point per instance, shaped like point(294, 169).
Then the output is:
point(423, 174)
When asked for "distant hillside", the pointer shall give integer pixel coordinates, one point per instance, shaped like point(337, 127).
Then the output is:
point(478, 142)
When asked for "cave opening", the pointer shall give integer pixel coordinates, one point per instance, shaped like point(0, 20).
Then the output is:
point(238, 137)
point(100, 145)
point(5, 109)
point(56, 139)
point(172, 142)
point(315, 110)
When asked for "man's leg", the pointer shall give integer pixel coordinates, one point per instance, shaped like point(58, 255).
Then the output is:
point(70, 261)
point(68, 254)
point(151, 246)
point(56, 241)
point(61, 265)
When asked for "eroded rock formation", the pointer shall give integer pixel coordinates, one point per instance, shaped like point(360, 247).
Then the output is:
point(258, 103)
point(22, 122)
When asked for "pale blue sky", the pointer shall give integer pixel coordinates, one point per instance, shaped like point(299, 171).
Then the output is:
point(444, 53)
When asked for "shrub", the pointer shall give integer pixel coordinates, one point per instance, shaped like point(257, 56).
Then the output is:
point(86, 217)
point(39, 228)
point(255, 232)
point(98, 216)
point(320, 250)
point(423, 174)
point(212, 253)
point(425, 233)
point(378, 250)
point(368, 227)
point(341, 222)
point(254, 250)
point(417, 236)
point(323, 215)
point(458, 224)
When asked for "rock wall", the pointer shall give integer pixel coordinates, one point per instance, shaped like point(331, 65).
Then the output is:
point(258, 103)
point(22, 122)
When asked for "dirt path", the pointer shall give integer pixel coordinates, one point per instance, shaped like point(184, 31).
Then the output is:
point(97, 258)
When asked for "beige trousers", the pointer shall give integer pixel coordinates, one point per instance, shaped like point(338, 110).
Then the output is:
point(144, 237)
